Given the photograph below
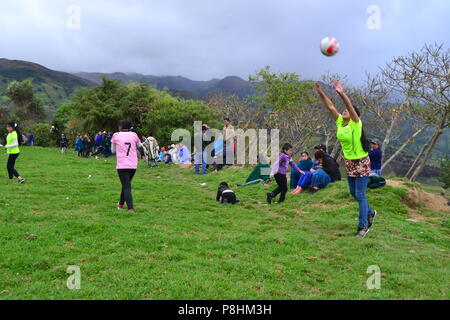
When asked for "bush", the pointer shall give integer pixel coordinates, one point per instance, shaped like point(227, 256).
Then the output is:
point(444, 178)
point(43, 136)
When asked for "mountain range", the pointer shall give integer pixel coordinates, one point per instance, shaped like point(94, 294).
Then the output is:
point(53, 87)
point(56, 87)
point(178, 84)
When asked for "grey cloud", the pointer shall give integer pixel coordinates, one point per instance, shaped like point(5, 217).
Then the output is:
point(204, 39)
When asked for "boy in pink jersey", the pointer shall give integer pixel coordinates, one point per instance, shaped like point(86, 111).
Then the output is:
point(125, 145)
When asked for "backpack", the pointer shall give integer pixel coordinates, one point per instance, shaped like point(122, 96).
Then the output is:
point(376, 182)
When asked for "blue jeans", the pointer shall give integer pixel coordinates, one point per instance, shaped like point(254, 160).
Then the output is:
point(153, 160)
point(200, 158)
point(358, 187)
point(320, 179)
point(305, 180)
point(376, 171)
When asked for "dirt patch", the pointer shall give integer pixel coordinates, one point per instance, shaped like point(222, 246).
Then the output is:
point(417, 197)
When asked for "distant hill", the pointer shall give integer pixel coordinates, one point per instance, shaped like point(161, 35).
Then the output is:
point(228, 85)
point(53, 87)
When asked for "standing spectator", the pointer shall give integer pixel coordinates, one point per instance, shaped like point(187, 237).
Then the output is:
point(200, 144)
point(106, 145)
point(152, 149)
point(31, 139)
point(86, 142)
point(63, 143)
point(376, 156)
point(98, 139)
point(79, 145)
point(228, 141)
point(218, 153)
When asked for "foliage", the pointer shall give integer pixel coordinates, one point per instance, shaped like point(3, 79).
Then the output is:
point(281, 91)
point(445, 173)
point(43, 135)
point(151, 111)
point(29, 108)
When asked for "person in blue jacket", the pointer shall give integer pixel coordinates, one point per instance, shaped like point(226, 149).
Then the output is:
point(79, 145)
point(376, 156)
point(305, 165)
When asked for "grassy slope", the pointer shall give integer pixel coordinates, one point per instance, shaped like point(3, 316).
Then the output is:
point(182, 245)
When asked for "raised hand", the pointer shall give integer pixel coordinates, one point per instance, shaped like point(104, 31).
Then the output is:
point(337, 86)
point(318, 87)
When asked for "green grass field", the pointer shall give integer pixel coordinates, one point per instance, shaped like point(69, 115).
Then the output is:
point(181, 244)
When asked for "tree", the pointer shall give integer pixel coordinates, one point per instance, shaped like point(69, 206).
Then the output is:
point(385, 114)
point(150, 111)
point(424, 77)
point(444, 178)
point(243, 115)
point(29, 107)
point(289, 105)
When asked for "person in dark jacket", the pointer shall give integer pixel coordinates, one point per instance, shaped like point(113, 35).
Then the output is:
point(225, 194)
point(63, 143)
point(327, 172)
point(376, 156)
point(201, 142)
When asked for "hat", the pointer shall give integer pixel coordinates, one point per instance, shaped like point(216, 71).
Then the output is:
point(375, 141)
point(321, 147)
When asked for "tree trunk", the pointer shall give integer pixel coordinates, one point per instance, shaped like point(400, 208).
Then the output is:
point(434, 140)
point(402, 147)
point(387, 137)
point(419, 156)
point(336, 150)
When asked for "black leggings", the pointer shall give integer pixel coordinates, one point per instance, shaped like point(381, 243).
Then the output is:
point(126, 176)
point(10, 166)
point(282, 187)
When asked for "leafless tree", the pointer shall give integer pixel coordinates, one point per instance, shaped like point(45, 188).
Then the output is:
point(386, 114)
point(424, 77)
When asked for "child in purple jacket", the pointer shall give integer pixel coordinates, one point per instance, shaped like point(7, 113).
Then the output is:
point(279, 170)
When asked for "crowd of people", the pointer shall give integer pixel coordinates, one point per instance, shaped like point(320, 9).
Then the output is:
point(90, 145)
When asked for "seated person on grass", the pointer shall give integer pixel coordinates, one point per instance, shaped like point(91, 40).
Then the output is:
point(305, 164)
point(328, 172)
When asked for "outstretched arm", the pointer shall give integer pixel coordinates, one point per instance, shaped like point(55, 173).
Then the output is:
point(348, 104)
point(219, 195)
point(328, 103)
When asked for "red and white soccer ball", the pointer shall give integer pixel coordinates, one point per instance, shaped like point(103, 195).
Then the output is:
point(329, 46)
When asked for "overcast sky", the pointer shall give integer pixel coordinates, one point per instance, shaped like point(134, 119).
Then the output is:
point(204, 39)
